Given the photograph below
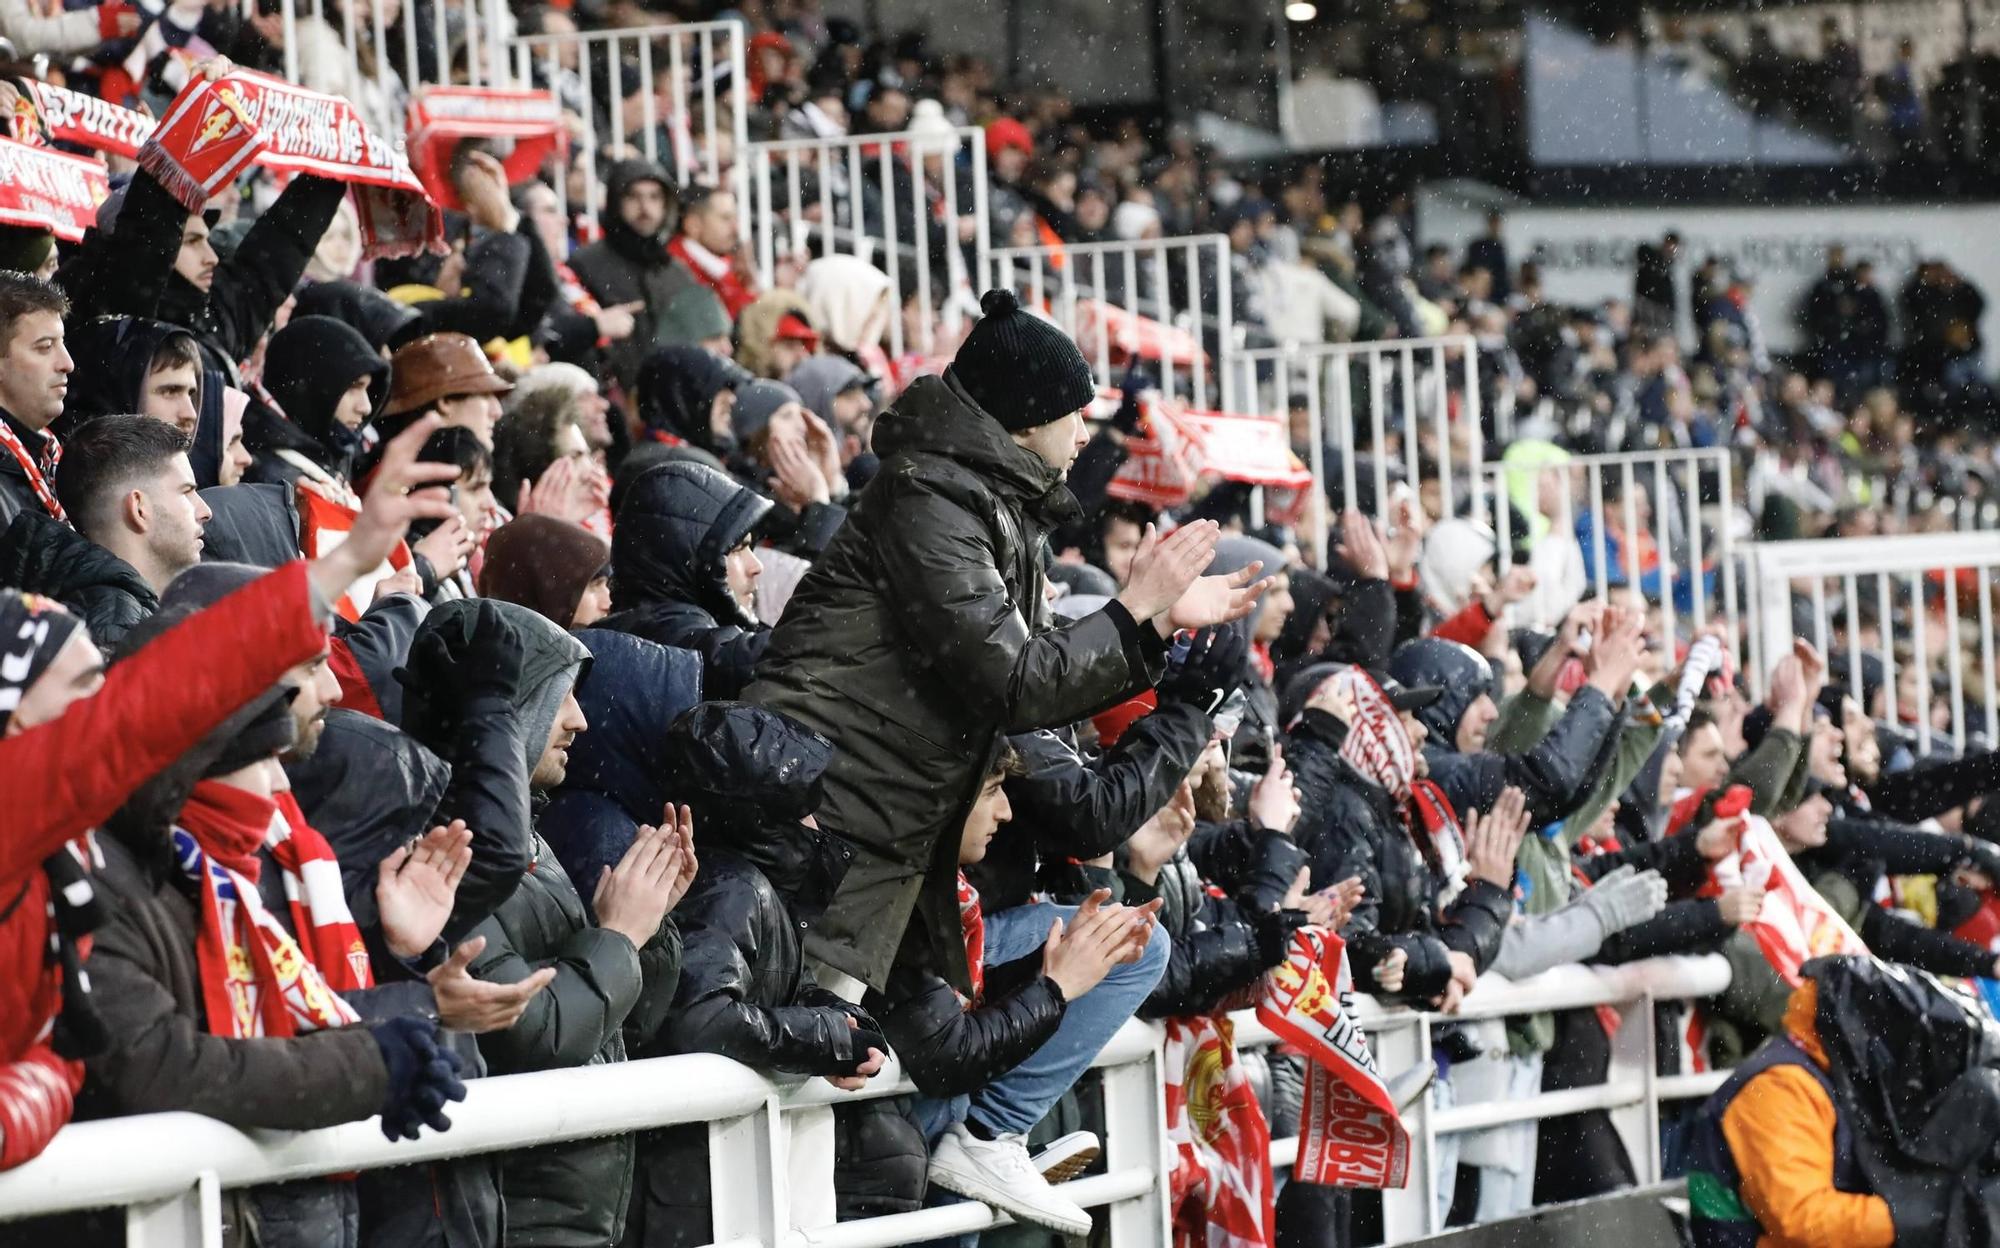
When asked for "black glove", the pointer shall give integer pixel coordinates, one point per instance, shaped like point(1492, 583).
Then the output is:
point(860, 1037)
point(1210, 671)
point(1274, 930)
point(423, 1075)
point(465, 649)
point(820, 998)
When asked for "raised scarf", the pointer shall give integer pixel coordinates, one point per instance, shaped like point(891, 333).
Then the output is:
point(256, 978)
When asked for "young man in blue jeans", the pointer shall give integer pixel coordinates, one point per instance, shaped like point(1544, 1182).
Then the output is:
point(1052, 985)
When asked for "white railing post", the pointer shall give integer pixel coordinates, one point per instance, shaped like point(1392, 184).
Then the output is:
point(747, 1163)
point(1135, 1138)
point(1632, 1062)
point(1408, 1212)
point(191, 1219)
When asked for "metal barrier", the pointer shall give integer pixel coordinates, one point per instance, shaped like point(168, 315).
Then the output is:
point(169, 1170)
point(1683, 492)
point(1411, 384)
point(1145, 295)
point(398, 72)
point(706, 125)
point(1874, 578)
point(893, 200)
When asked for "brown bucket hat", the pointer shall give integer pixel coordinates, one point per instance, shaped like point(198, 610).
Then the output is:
point(438, 366)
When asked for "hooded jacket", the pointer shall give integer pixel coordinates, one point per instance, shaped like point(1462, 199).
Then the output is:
point(757, 328)
point(618, 775)
point(677, 387)
point(385, 323)
point(369, 788)
point(750, 777)
point(670, 583)
point(820, 379)
point(624, 267)
point(919, 639)
point(308, 367)
point(45, 556)
point(114, 357)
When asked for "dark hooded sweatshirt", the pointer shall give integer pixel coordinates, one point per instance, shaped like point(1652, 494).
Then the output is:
point(114, 356)
point(625, 267)
point(677, 387)
point(669, 583)
point(307, 368)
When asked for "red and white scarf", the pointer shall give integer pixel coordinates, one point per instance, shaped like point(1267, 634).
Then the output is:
point(1379, 747)
point(1221, 1184)
point(256, 978)
point(216, 129)
point(972, 926)
point(38, 471)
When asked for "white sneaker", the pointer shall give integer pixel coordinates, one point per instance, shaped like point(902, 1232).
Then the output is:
point(1068, 1157)
point(998, 1173)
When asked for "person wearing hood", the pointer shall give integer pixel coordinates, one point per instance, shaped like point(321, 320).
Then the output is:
point(851, 303)
point(219, 456)
point(683, 570)
point(752, 780)
point(551, 567)
point(386, 324)
point(149, 256)
point(630, 263)
point(835, 389)
point(601, 960)
point(686, 398)
point(329, 384)
point(923, 635)
point(128, 488)
point(790, 455)
point(775, 335)
point(1560, 769)
point(132, 364)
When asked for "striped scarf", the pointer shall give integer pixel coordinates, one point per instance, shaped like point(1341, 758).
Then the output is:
point(257, 979)
point(1379, 747)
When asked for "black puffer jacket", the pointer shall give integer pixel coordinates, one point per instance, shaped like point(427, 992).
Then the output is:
point(114, 357)
point(948, 1049)
point(1215, 952)
point(574, 1193)
point(368, 788)
point(1068, 807)
point(1349, 826)
point(918, 640)
point(624, 267)
point(45, 556)
point(670, 583)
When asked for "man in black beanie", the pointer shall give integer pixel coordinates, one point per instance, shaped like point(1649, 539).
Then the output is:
point(923, 635)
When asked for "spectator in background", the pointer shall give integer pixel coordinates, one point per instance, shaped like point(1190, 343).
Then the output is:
point(128, 364)
point(1489, 252)
point(329, 384)
point(1654, 284)
point(707, 244)
point(630, 264)
point(550, 566)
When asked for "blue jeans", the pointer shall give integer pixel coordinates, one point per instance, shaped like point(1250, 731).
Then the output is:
point(1017, 1100)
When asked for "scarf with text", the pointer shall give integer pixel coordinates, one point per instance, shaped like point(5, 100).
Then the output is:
point(256, 978)
point(217, 128)
point(1350, 1134)
point(1379, 747)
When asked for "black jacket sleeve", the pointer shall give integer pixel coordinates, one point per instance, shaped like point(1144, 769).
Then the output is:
point(1409, 615)
point(1676, 858)
point(1923, 792)
point(803, 533)
point(1683, 927)
point(598, 979)
point(948, 1050)
point(257, 280)
point(1556, 776)
point(1086, 809)
point(489, 790)
point(1941, 953)
point(1897, 850)
point(1254, 865)
point(1214, 952)
point(496, 271)
point(125, 273)
point(1475, 921)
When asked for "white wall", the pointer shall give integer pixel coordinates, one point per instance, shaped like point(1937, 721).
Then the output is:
point(1586, 252)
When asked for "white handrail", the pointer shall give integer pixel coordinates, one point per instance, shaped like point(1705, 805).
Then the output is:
point(147, 1161)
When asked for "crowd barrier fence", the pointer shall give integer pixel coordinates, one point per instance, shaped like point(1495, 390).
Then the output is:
point(1144, 298)
point(1937, 582)
point(168, 1171)
point(894, 200)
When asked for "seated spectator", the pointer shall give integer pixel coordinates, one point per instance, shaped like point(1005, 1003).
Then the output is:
point(790, 455)
point(686, 398)
point(35, 370)
point(684, 568)
point(127, 486)
point(329, 384)
point(447, 374)
point(551, 567)
point(752, 779)
point(127, 364)
point(774, 335)
point(708, 246)
point(542, 434)
point(842, 396)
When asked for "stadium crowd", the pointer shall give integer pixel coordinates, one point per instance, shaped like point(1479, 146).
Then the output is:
point(569, 650)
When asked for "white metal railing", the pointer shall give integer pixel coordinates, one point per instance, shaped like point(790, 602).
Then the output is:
point(1095, 290)
point(1412, 385)
point(690, 79)
point(483, 28)
point(893, 200)
point(1682, 493)
point(1871, 578)
point(169, 1170)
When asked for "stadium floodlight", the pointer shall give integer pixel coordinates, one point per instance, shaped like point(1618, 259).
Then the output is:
point(1301, 10)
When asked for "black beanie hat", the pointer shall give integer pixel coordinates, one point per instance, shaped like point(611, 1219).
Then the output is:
point(1024, 371)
